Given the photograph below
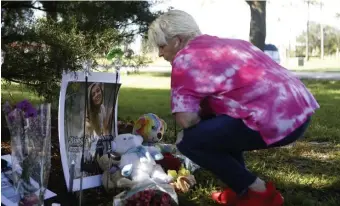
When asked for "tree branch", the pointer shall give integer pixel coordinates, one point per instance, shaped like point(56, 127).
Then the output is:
point(16, 5)
point(249, 3)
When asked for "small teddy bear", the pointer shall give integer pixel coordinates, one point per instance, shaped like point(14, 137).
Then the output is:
point(138, 161)
point(111, 178)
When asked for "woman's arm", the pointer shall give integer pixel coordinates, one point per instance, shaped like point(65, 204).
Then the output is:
point(187, 119)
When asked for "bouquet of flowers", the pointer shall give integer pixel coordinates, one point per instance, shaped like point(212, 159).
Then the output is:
point(149, 198)
point(147, 193)
point(30, 130)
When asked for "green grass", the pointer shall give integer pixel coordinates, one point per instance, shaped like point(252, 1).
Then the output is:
point(13, 93)
point(325, 125)
point(306, 173)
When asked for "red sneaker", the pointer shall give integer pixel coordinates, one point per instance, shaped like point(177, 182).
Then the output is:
point(270, 197)
point(226, 197)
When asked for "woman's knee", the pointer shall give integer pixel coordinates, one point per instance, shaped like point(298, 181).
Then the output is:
point(188, 138)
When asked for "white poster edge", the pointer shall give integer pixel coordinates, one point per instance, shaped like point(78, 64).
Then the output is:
point(89, 181)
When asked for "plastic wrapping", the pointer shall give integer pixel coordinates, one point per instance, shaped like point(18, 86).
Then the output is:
point(148, 192)
point(188, 164)
point(150, 188)
point(30, 130)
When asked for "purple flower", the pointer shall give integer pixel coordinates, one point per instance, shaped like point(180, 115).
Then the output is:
point(24, 105)
point(28, 108)
point(31, 112)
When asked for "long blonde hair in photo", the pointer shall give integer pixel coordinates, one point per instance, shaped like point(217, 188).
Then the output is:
point(93, 110)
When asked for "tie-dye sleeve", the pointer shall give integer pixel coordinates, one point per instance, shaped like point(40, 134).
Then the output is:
point(184, 95)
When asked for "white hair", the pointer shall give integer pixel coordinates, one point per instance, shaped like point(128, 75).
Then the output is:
point(170, 24)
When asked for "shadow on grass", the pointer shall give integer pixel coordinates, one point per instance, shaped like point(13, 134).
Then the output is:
point(296, 194)
point(311, 166)
point(325, 125)
point(304, 180)
point(293, 192)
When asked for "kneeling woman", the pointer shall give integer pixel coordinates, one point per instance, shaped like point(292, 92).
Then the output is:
point(251, 101)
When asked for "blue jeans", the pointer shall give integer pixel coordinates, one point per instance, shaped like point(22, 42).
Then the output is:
point(217, 144)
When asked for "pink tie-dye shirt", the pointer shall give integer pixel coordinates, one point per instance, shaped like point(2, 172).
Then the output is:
point(233, 77)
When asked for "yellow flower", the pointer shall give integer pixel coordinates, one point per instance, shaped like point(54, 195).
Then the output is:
point(172, 173)
point(183, 172)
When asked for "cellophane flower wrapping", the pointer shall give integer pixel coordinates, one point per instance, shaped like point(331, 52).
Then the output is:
point(30, 130)
point(147, 194)
point(152, 193)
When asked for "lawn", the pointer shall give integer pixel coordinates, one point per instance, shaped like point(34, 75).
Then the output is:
point(307, 173)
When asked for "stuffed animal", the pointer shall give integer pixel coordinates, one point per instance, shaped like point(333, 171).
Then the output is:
point(137, 161)
point(111, 177)
point(150, 127)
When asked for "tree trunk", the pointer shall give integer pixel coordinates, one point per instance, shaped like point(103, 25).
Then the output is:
point(307, 32)
point(321, 33)
point(257, 34)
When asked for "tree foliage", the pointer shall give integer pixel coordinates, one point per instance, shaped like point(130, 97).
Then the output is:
point(331, 40)
point(38, 50)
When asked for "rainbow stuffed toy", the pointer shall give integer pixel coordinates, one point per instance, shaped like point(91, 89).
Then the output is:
point(150, 127)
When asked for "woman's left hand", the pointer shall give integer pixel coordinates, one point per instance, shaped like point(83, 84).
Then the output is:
point(187, 119)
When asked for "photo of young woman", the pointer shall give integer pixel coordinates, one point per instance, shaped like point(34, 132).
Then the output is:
point(87, 124)
point(98, 119)
point(99, 123)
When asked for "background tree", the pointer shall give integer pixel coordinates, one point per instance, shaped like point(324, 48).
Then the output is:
point(331, 40)
point(38, 50)
point(257, 34)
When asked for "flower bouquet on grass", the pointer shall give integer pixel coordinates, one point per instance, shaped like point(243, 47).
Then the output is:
point(149, 198)
point(147, 193)
point(30, 130)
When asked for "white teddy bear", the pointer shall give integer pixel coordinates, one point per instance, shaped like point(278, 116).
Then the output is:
point(138, 161)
